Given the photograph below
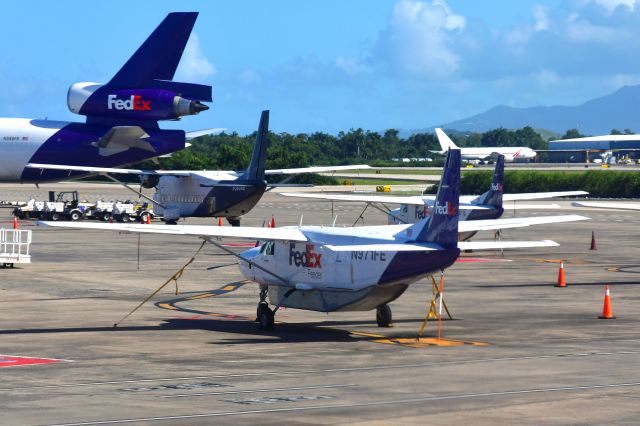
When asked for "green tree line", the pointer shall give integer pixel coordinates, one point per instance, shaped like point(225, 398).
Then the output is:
point(232, 151)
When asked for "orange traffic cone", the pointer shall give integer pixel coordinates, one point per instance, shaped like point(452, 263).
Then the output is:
point(16, 225)
point(593, 241)
point(607, 310)
point(562, 282)
point(148, 218)
point(273, 222)
point(219, 221)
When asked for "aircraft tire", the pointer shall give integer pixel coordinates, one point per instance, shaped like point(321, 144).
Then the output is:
point(384, 317)
point(266, 318)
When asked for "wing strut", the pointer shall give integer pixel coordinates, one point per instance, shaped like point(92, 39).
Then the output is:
point(251, 263)
point(174, 278)
point(139, 193)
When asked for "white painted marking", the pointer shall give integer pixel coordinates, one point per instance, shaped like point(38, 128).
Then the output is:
point(186, 395)
point(331, 370)
point(357, 404)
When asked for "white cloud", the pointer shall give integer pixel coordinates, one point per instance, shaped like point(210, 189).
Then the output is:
point(612, 5)
point(546, 78)
point(351, 66)
point(584, 31)
point(418, 37)
point(541, 17)
point(194, 66)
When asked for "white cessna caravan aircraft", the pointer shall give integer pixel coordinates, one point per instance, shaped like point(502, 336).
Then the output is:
point(331, 269)
point(476, 208)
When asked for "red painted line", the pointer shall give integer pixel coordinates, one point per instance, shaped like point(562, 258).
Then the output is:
point(479, 260)
point(14, 361)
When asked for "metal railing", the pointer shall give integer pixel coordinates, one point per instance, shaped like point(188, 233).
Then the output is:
point(14, 245)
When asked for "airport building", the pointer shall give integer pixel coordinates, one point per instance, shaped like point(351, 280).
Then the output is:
point(609, 146)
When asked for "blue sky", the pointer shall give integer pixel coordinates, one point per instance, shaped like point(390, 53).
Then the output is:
point(331, 65)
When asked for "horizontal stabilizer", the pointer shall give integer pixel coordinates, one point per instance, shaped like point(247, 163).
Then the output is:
point(607, 205)
point(517, 222)
point(121, 138)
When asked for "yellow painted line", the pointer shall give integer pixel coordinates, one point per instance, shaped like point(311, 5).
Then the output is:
point(360, 333)
point(428, 341)
point(167, 306)
point(229, 288)
point(613, 269)
point(200, 296)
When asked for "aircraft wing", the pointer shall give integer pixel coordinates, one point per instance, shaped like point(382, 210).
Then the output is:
point(607, 205)
point(541, 195)
point(497, 245)
point(109, 170)
point(528, 196)
point(492, 224)
point(417, 200)
point(319, 169)
point(389, 199)
point(204, 132)
point(244, 232)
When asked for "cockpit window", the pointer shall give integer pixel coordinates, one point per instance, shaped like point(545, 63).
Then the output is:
point(268, 248)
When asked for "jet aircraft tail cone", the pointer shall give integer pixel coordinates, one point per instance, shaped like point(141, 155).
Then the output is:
point(197, 107)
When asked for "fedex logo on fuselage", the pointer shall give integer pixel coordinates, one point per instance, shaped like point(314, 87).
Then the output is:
point(307, 258)
point(134, 103)
point(447, 208)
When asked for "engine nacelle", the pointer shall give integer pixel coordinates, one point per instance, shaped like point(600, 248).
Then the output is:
point(149, 181)
point(94, 99)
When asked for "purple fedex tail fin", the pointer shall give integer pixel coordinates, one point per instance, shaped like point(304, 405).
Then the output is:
point(493, 197)
point(158, 57)
point(442, 226)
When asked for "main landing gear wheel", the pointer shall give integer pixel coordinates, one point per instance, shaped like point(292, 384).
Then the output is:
point(383, 316)
point(266, 317)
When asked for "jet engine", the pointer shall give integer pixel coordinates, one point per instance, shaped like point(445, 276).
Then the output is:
point(153, 104)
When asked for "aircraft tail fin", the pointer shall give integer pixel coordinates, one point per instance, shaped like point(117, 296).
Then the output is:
point(158, 57)
point(445, 141)
point(442, 226)
point(255, 171)
point(493, 197)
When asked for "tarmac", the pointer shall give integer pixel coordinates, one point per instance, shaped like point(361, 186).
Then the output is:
point(518, 350)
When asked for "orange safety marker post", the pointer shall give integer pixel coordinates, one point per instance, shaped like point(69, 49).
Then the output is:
point(593, 241)
point(148, 218)
point(16, 225)
point(562, 282)
point(607, 310)
point(220, 221)
point(273, 222)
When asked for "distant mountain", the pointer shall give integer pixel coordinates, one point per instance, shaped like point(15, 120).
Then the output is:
point(619, 110)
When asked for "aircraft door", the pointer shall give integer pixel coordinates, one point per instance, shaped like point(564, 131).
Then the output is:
point(210, 202)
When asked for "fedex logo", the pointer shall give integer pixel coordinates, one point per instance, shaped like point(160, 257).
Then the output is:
point(496, 187)
point(448, 209)
point(135, 103)
point(306, 258)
